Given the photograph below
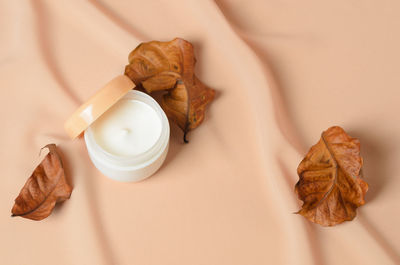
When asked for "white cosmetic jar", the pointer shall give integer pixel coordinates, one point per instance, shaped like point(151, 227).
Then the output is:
point(134, 167)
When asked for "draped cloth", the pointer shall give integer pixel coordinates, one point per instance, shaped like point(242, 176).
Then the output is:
point(284, 71)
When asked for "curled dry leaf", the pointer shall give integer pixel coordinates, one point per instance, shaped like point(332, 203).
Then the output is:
point(330, 184)
point(169, 66)
point(46, 186)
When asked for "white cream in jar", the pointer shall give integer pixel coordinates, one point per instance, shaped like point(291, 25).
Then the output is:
point(129, 142)
point(126, 132)
point(130, 127)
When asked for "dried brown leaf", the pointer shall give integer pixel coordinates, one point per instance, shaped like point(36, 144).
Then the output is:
point(169, 66)
point(330, 184)
point(46, 186)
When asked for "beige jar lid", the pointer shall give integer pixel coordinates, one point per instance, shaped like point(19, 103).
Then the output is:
point(99, 103)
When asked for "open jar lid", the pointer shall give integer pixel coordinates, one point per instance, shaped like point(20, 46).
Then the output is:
point(98, 104)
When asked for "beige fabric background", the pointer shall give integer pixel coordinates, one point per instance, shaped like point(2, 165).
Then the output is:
point(284, 70)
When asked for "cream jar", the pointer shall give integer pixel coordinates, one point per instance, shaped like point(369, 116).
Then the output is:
point(126, 131)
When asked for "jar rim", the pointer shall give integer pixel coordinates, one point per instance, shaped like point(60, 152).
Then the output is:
point(133, 160)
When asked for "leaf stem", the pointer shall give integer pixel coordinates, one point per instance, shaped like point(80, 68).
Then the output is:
point(184, 137)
